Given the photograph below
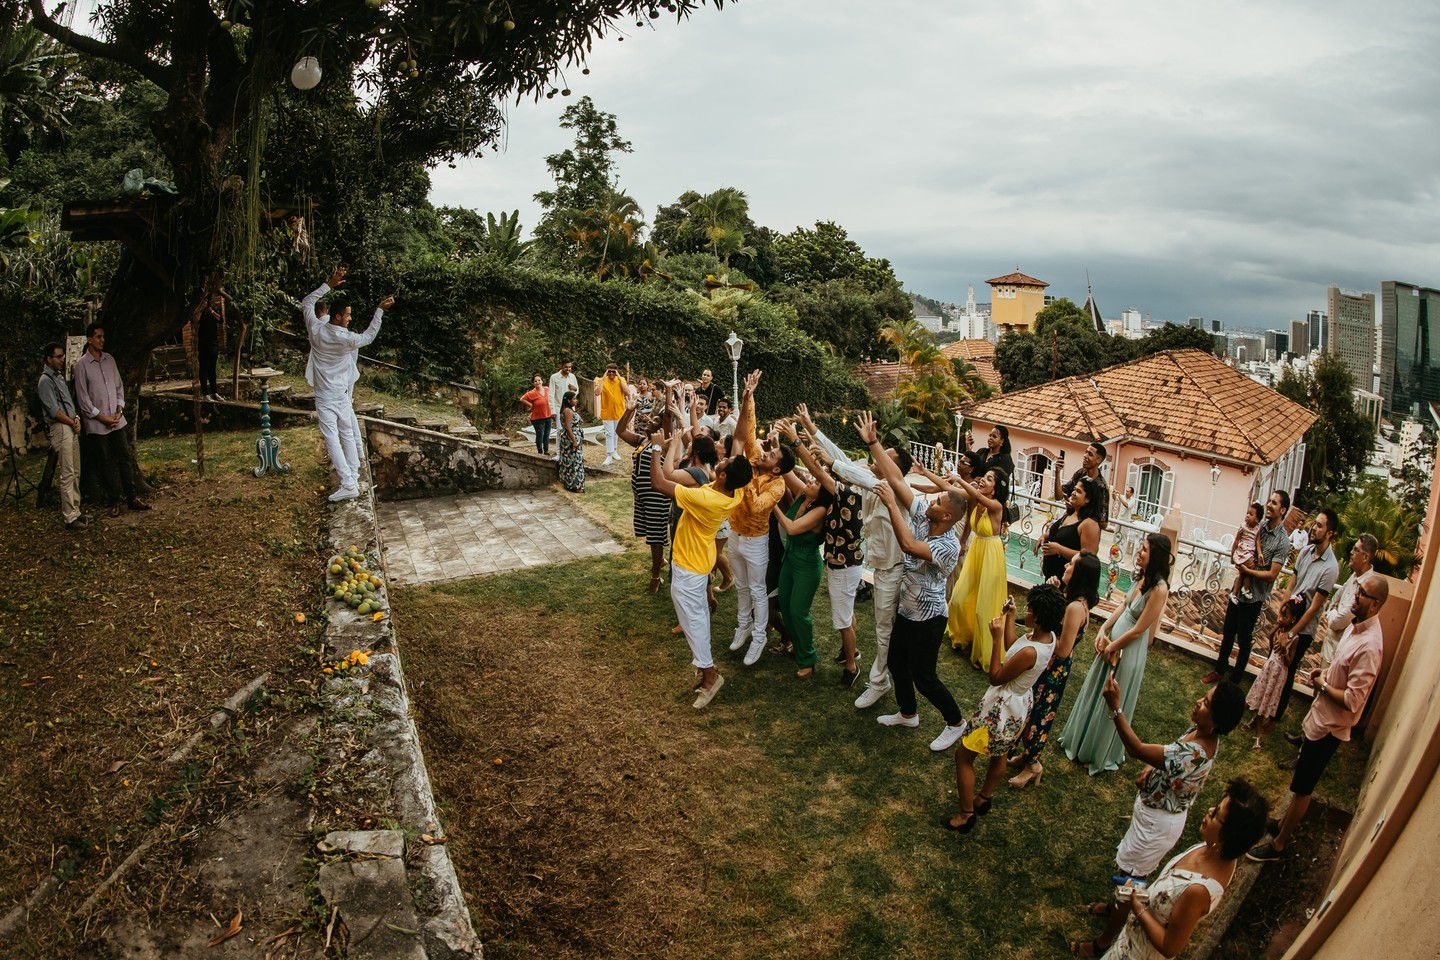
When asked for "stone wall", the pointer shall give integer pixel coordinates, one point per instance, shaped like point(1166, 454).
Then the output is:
point(409, 463)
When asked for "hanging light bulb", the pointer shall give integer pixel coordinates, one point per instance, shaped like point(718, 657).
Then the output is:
point(306, 73)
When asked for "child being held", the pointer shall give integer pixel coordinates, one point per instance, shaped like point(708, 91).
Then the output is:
point(1244, 551)
point(1264, 696)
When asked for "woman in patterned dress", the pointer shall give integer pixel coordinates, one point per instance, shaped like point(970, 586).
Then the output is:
point(652, 508)
point(1157, 922)
point(1001, 715)
point(572, 456)
point(1081, 583)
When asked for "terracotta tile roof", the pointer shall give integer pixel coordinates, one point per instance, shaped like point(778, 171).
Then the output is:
point(969, 349)
point(1181, 398)
point(881, 378)
point(1017, 279)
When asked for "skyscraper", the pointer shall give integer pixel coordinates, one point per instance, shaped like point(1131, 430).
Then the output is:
point(1319, 325)
point(1299, 338)
point(1352, 333)
point(1409, 351)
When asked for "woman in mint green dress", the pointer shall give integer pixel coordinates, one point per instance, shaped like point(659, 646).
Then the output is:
point(1122, 643)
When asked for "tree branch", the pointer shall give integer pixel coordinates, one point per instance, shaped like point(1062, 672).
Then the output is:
point(156, 73)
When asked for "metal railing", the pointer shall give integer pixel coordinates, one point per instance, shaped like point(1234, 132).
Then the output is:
point(1200, 571)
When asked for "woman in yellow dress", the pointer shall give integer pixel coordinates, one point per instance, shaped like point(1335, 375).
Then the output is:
point(980, 592)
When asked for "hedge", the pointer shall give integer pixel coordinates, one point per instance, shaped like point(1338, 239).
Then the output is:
point(461, 318)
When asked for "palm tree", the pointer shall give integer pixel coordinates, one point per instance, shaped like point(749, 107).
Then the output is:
point(38, 83)
point(721, 214)
point(1371, 509)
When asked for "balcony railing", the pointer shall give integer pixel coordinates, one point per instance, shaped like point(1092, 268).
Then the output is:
point(1201, 574)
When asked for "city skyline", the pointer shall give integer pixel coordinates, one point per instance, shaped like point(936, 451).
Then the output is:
point(1229, 161)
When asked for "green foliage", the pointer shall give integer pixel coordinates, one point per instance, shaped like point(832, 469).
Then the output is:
point(929, 387)
point(502, 237)
point(39, 86)
point(585, 180)
point(500, 382)
point(1339, 442)
point(1368, 507)
point(465, 317)
point(894, 424)
point(1418, 466)
point(1064, 343)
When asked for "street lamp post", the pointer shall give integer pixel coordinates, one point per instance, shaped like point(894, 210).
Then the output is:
point(734, 345)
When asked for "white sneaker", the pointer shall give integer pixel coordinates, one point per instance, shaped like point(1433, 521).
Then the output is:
point(741, 637)
point(947, 738)
point(898, 720)
point(871, 696)
point(752, 656)
point(344, 493)
point(607, 461)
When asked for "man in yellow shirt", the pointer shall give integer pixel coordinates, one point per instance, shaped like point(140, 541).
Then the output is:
point(702, 511)
point(610, 389)
point(750, 526)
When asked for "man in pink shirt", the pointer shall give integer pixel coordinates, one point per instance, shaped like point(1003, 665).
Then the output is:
point(1340, 695)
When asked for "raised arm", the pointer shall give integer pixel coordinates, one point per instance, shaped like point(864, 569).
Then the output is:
point(745, 419)
point(816, 466)
point(889, 469)
point(622, 429)
point(660, 479)
point(904, 536)
point(809, 520)
point(307, 306)
point(1005, 668)
point(1151, 753)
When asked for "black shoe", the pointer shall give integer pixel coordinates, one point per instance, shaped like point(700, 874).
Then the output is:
point(965, 827)
point(77, 524)
point(847, 677)
point(982, 806)
point(1272, 827)
point(1294, 738)
point(1285, 765)
point(1264, 853)
point(840, 656)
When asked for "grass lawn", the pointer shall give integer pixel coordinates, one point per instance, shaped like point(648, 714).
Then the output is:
point(117, 643)
point(592, 812)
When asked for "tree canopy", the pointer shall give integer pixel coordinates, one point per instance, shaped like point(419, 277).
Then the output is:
point(1339, 442)
point(427, 77)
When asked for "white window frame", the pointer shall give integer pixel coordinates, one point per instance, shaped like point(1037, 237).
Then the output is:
point(1133, 474)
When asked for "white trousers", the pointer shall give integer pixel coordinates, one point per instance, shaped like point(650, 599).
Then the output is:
point(1151, 836)
point(692, 607)
point(66, 444)
point(841, 583)
point(341, 431)
point(612, 445)
point(886, 596)
point(749, 561)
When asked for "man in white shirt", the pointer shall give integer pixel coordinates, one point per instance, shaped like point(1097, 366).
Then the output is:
point(561, 382)
point(1339, 612)
point(331, 372)
point(722, 421)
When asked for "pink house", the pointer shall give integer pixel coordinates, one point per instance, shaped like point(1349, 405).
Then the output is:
point(1184, 431)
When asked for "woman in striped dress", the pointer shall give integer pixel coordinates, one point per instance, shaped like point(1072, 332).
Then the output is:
point(652, 508)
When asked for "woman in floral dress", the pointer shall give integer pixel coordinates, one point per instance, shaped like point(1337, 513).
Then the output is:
point(572, 456)
point(1001, 715)
point(1081, 583)
point(1157, 922)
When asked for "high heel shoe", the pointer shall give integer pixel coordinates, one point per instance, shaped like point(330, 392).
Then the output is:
point(982, 806)
point(1030, 778)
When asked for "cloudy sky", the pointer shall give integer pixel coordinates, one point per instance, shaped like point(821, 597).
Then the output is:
point(1220, 159)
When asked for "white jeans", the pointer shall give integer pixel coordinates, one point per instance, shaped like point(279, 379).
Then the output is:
point(749, 559)
point(612, 446)
point(66, 444)
point(692, 607)
point(342, 437)
point(887, 598)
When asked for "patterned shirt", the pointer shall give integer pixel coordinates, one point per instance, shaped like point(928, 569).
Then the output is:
point(1174, 785)
point(842, 528)
point(922, 588)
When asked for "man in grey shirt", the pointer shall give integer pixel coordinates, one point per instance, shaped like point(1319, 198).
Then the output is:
point(1272, 546)
point(1316, 570)
point(62, 426)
